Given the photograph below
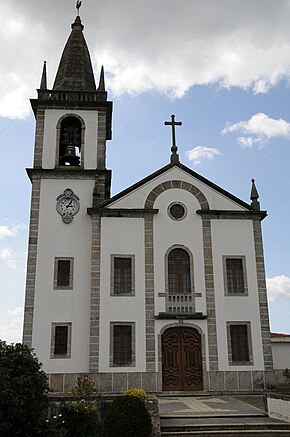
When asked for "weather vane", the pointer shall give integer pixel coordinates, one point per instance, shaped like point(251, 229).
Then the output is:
point(78, 5)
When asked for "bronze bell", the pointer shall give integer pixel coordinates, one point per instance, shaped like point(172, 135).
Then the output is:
point(70, 156)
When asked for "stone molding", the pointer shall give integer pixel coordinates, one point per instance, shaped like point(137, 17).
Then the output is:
point(31, 264)
point(95, 295)
point(39, 133)
point(149, 294)
point(167, 185)
point(58, 128)
point(262, 294)
point(232, 215)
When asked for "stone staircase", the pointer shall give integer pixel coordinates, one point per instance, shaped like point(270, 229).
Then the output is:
point(259, 425)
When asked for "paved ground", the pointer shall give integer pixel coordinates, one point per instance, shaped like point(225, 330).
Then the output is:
point(210, 406)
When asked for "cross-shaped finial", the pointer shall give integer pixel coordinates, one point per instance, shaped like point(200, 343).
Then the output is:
point(173, 123)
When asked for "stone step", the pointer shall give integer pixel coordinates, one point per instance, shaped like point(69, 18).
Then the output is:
point(228, 433)
point(223, 426)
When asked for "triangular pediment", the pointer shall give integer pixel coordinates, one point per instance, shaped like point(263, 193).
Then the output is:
point(135, 196)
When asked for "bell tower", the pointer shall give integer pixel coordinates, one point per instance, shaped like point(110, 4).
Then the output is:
point(69, 175)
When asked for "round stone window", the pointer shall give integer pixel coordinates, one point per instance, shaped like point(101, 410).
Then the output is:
point(177, 211)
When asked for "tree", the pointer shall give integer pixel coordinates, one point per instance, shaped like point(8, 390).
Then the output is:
point(23, 391)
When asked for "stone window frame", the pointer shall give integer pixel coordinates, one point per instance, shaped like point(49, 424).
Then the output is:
point(174, 218)
point(133, 343)
point(58, 129)
point(71, 273)
point(244, 264)
point(191, 266)
point(69, 338)
point(112, 258)
point(250, 343)
point(189, 296)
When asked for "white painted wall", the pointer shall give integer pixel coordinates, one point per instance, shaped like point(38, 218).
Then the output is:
point(57, 239)
point(52, 117)
point(281, 352)
point(123, 236)
point(235, 237)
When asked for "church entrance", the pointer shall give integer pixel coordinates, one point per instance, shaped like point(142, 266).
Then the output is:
point(181, 359)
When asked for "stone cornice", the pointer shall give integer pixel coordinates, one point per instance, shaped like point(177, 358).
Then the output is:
point(170, 316)
point(232, 215)
point(61, 173)
point(121, 212)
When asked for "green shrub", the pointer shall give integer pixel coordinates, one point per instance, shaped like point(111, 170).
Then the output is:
point(23, 391)
point(137, 392)
point(85, 390)
point(81, 419)
point(127, 416)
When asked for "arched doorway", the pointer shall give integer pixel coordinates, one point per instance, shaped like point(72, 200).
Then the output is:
point(181, 359)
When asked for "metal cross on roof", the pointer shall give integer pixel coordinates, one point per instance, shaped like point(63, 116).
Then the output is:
point(173, 123)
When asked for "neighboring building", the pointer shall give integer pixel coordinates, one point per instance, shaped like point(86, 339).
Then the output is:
point(161, 286)
point(281, 356)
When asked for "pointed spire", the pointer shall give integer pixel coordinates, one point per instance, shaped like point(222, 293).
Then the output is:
point(75, 72)
point(101, 88)
point(254, 197)
point(43, 82)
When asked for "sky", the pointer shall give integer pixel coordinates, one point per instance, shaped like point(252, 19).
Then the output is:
point(222, 67)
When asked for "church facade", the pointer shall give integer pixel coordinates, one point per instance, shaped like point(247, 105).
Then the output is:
point(161, 286)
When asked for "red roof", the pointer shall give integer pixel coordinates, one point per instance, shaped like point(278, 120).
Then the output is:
point(273, 334)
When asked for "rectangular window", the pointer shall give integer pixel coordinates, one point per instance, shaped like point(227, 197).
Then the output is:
point(239, 343)
point(63, 273)
point(61, 340)
point(235, 275)
point(122, 344)
point(122, 275)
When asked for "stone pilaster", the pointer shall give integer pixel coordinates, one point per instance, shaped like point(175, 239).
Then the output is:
point(262, 293)
point(149, 295)
point(31, 264)
point(210, 295)
point(39, 138)
point(95, 295)
point(101, 142)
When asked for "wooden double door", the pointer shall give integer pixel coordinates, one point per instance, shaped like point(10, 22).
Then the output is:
point(181, 359)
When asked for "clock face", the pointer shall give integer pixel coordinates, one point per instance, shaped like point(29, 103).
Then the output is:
point(67, 205)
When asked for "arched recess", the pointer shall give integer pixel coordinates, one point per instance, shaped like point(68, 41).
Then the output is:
point(152, 196)
point(181, 357)
point(179, 280)
point(70, 135)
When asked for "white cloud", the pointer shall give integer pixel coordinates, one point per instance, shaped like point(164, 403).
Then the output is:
point(11, 323)
point(150, 45)
point(260, 128)
point(278, 286)
point(8, 256)
point(11, 231)
point(200, 153)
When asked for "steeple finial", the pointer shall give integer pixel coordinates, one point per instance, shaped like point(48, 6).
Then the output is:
point(101, 88)
point(43, 82)
point(78, 5)
point(254, 197)
point(174, 159)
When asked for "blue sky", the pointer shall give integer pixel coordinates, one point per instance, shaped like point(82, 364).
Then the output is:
point(222, 68)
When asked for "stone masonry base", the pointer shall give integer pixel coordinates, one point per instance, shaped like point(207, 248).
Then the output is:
point(213, 381)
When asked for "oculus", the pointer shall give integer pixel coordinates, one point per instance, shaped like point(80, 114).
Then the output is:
point(177, 211)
